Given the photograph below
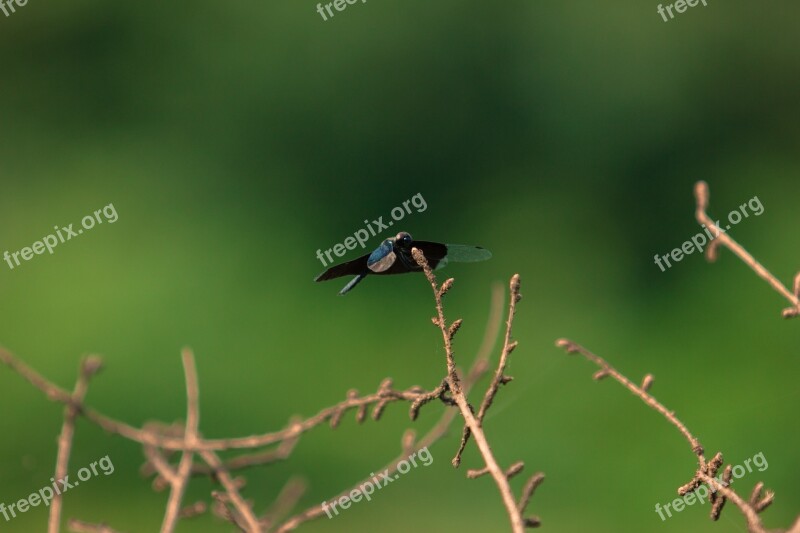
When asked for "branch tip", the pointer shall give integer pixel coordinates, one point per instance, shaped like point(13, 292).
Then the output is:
point(454, 327)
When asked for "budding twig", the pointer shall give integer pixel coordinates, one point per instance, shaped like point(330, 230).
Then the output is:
point(723, 239)
point(162, 441)
point(89, 367)
point(720, 490)
point(518, 523)
point(181, 478)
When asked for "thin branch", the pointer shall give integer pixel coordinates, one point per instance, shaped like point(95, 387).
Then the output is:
point(159, 439)
point(79, 526)
point(286, 501)
point(517, 522)
point(154, 439)
point(607, 369)
point(530, 488)
point(221, 509)
point(195, 509)
point(159, 464)
point(527, 493)
point(723, 239)
point(510, 472)
point(708, 469)
point(241, 506)
point(439, 430)
point(261, 458)
point(499, 376)
point(89, 366)
point(185, 467)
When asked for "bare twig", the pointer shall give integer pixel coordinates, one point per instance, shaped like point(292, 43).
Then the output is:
point(510, 472)
point(180, 480)
point(265, 457)
point(515, 516)
point(161, 441)
point(572, 347)
point(508, 346)
point(89, 366)
point(147, 437)
point(221, 509)
point(499, 376)
point(79, 526)
point(707, 469)
point(195, 509)
point(285, 502)
point(155, 437)
point(241, 506)
point(527, 494)
point(723, 239)
point(478, 369)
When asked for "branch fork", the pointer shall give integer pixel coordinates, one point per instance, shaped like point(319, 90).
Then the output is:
point(707, 470)
point(473, 422)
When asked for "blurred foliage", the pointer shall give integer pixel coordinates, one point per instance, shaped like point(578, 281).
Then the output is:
point(235, 140)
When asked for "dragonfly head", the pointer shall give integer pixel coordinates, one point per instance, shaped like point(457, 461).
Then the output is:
point(403, 240)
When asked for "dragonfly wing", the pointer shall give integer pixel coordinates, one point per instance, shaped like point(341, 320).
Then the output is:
point(350, 268)
point(435, 252)
point(461, 253)
point(438, 255)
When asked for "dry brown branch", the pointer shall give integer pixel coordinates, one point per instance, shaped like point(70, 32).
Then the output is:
point(499, 377)
point(180, 479)
point(723, 239)
point(530, 488)
point(156, 462)
point(518, 522)
point(478, 369)
point(144, 436)
point(197, 508)
point(221, 509)
point(510, 472)
point(161, 441)
point(152, 435)
point(79, 526)
point(224, 477)
point(265, 457)
point(707, 470)
point(286, 501)
point(89, 367)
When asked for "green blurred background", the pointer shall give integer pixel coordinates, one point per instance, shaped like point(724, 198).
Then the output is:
point(234, 140)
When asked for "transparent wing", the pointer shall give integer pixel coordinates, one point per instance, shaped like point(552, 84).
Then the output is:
point(461, 253)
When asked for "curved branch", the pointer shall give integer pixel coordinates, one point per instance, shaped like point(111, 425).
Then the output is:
point(723, 239)
point(708, 469)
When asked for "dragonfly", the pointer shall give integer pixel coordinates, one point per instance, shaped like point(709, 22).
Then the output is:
point(393, 256)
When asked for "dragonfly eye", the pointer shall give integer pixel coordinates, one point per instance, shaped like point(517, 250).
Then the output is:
point(403, 239)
